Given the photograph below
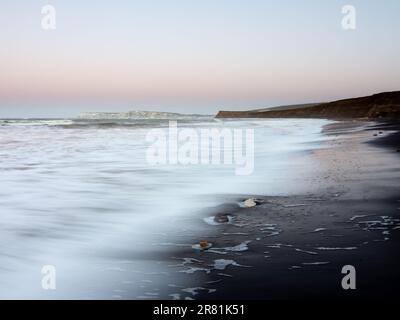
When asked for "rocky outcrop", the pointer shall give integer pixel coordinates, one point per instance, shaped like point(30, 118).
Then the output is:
point(381, 105)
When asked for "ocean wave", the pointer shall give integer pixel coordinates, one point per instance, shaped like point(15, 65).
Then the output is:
point(101, 123)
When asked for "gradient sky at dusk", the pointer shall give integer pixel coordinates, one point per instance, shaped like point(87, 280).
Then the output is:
point(193, 56)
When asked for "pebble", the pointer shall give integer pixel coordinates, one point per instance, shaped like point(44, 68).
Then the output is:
point(221, 218)
point(249, 203)
point(202, 245)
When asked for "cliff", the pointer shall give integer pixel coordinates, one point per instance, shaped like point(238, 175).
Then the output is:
point(381, 105)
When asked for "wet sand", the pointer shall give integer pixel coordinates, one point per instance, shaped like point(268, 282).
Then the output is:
point(295, 247)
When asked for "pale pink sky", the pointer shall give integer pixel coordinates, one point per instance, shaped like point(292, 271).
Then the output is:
point(197, 57)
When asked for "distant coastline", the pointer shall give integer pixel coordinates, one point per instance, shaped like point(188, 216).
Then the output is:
point(382, 105)
point(138, 115)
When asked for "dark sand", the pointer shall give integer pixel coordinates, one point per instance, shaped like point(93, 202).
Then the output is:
point(295, 247)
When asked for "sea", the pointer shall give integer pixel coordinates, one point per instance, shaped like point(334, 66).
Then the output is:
point(84, 215)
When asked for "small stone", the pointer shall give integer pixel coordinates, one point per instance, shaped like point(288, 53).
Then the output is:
point(250, 203)
point(204, 244)
point(375, 134)
point(221, 218)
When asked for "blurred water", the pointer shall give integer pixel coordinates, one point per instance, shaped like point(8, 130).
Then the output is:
point(80, 195)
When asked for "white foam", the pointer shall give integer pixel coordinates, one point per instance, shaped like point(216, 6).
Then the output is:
point(295, 205)
point(238, 248)
point(195, 291)
point(221, 264)
point(305, 251)
point(175, 296)
point(319, 229)
point(336, 248)
point(195, 269)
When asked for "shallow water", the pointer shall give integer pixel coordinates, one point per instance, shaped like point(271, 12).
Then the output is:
point(81, 196)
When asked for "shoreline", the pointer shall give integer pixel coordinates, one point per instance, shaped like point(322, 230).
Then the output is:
point(293, 247)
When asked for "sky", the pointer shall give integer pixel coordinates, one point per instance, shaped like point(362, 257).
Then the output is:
point(192, 56)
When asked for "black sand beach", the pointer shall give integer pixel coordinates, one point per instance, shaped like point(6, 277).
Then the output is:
point(294, 247)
